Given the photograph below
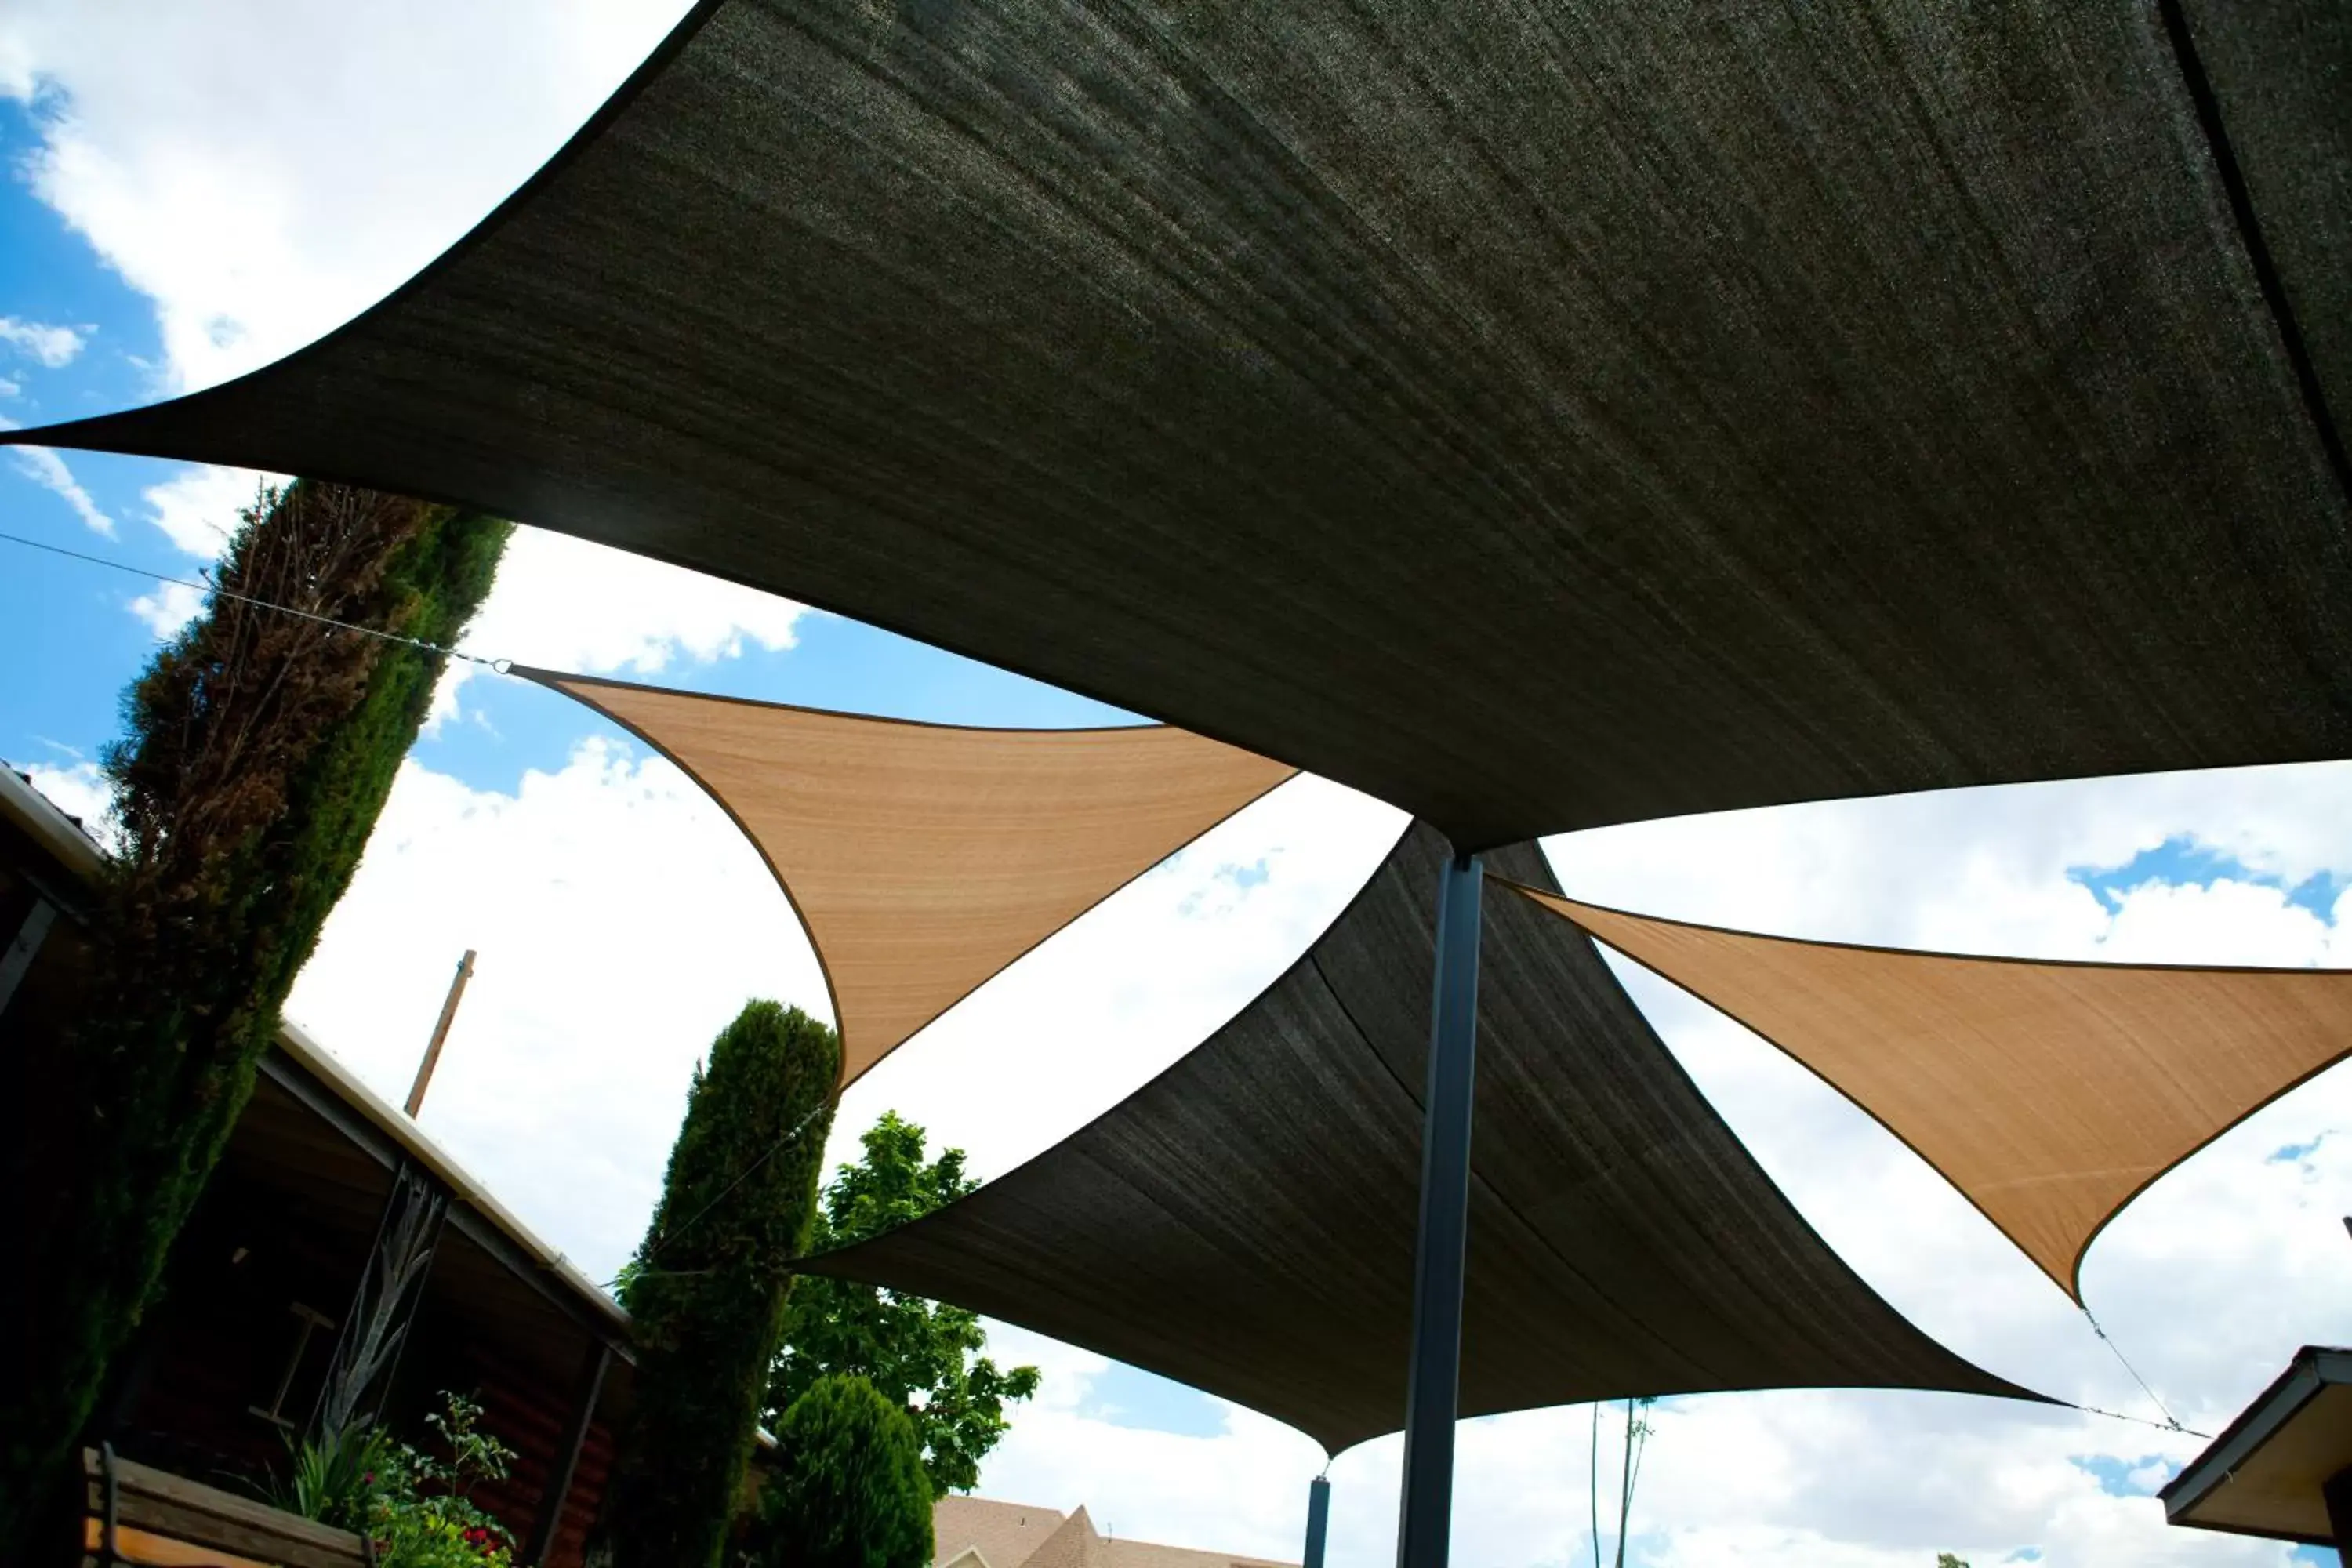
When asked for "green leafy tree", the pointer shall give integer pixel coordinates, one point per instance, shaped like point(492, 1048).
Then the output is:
point(849, 1490)
point(922, 1354)
point(261, 748)
point(710, 1281)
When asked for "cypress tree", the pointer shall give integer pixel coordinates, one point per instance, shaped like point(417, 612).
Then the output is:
point(707, 1289)
point(850, 1490)
point(259, 749)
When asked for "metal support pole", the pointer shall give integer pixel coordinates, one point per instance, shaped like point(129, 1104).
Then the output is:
point(550, 1523)
point(1319, 1520)
point(25, 945)
point(1425, 1515)
point(383, 1307)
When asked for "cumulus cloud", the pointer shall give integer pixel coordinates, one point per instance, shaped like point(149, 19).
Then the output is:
point(52, 347)
point(562, 603)
point(198, 508)
point(48, 470)
point(170, 608)
point(566, 604)
point(265, 169)
point(81, 792)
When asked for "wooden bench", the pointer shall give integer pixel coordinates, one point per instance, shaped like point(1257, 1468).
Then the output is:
point(140, 1517)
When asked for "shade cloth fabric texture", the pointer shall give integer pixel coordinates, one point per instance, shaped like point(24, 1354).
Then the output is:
point(2050, 1094)
point(1245, 1222)
point(922, 858)
point(1537, 417)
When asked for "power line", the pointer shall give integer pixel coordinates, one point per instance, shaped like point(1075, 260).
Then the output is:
point(500, 666)
point(765, 1154)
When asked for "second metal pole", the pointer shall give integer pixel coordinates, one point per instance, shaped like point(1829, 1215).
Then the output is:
point(1319, 1520)
point(1425, 1515)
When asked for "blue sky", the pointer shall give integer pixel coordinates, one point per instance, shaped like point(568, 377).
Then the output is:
point(177, 196)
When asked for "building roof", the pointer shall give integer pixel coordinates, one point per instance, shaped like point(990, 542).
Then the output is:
point(2264, 1475)
point(980, 1532)
point(70, 846)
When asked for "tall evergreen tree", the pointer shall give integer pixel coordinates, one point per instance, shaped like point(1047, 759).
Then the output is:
point(261, 748)
point(707, 1288)
point(921, 1355)
point(849, 1490)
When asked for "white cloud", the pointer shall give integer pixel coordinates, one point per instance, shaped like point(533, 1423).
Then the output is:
point(199, 507)
point(621, 920)
point(1968, 871)
point(10, 388)
point(48, 470)
point(170, 608)
point(566, 604)
point(80, 790)
point(562, 603)
point(265, 169)
point(53, 347)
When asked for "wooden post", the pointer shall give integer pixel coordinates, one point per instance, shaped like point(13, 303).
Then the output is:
point(566, 1464)
point(440, 1033)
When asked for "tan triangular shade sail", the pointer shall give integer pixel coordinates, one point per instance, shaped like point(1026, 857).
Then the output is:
point(2050, 1094)
point(922, 858)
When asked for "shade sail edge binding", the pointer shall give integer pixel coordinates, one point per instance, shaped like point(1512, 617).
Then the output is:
point(2051, 1127)
point(923, 859)
point(1244, 1223)
point(1182, 393)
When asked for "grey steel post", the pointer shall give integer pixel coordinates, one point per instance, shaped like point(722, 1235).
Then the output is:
point(1319, 1520)
point(1425, 1515)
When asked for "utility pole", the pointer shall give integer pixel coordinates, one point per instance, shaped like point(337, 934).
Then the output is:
point(440, 1033)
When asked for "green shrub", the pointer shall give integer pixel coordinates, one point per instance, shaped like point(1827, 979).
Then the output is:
point(421, 1512)
point(416, 1509)
point(261, 748)
point(708, 1292)
point(331, 1482)
point(849, 1490)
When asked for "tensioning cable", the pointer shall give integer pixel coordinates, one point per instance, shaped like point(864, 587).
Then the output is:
point(500, 666)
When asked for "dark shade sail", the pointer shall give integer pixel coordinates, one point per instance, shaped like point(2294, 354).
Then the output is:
point(1536, 416)
point(1244, 1222)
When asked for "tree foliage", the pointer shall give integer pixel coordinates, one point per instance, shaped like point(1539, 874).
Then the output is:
point(710, 1281)
point(849, 1490)
point(922, 1354)
point(260, 747)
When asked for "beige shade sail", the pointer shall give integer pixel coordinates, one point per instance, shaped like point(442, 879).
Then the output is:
point(922, 858)
point(2050, 1094)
